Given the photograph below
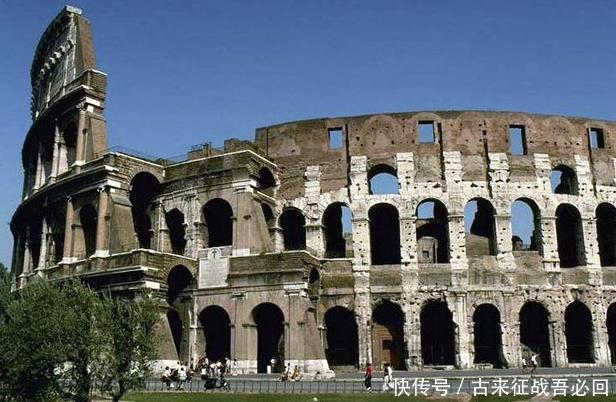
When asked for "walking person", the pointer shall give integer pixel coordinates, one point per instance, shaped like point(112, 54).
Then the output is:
point(181, 378)
point(368, 377)
point(534, 361)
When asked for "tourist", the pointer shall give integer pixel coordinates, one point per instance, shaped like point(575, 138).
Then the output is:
point(296, 376)
point(387, 377)
point(166, 378)
point(181, 377)
point(534, 362)
point(235, 368)
point(368, 377)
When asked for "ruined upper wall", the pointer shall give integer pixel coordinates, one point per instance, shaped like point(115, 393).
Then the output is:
point(475, 134)
point(64, 52)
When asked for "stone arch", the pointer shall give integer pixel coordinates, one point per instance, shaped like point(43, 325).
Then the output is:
point(480, 227)
point(438, 345)
point(569, 236)
point(216, 323)
point(337, 228)
point(144, 187)
point(563, 180)
point(579, 333)
point(292, 222)
point(266, 179)
point(88, 218)
point(606, 233)
point(432, 231)
point(342, 337)
point(534, 321)
point(218, 218)
point(388, 334)
point(176, 225)
point(269, 321)
point(179, 279)
point(383, 179)
point(526, 225)
point(487, 335)
point(384, 234)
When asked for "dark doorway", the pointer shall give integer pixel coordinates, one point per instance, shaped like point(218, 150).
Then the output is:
point(384, 234)
point(487, 336)
point(218, 216)
point(215, 322)
point(606, 234)
point(388, 335)
point(569, 236)
point(292, 222)
point(175, 324)
point(611, 331)
point(535, 333)
point(437, 334)
point(341, 337)
point(578, 331)
point(177, 231)
point(143, 188)
point(88, 218)
point(270, 336)
point(178, 280)
point(338, 230)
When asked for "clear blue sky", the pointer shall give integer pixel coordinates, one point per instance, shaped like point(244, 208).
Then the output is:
point(182, 73)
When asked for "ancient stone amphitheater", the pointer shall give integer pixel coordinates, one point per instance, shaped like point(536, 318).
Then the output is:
point(444, 238)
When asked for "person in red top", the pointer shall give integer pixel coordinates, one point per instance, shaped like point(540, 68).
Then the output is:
point(368, 377)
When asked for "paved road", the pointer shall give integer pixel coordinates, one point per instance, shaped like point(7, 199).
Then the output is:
point(548, 380)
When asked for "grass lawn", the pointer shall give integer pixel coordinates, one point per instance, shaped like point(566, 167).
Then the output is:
point(224, 397)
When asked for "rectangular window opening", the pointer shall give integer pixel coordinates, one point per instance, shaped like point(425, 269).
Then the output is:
point(426, 132)
point(336, 138)
point(597, 141)
point(517, 140)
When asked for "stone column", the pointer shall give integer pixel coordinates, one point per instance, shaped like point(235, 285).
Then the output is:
point(55, 158)
point(457, 241)
point(591, 246)
point(599, 331)
point(405, 163)
point(80, 144)
point(39, 181)
point(67, 253)
point(102, 224)
point(503, 241)
point(551, 261)
point(278, 238)
point(314, 238)
point(40, 264)
point(558, 341)
point(459, 317)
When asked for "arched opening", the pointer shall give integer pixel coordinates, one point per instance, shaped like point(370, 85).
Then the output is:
point(578, 331)
point(563, 180)
point(177, 230)
point(611, 331)
point(218, 217)
point(535, 333)
point(88, 218)
point(47, 158)
point(143, 188)
point(68, 147)
point(432, 232)
point(382, 179)
point(34, 238)
point(215, 322)
point(384, 234)
point(487, 336)
point(569, 236)
point(341, 337)
point(606, 234)
point(175, 324)
point(292, 222)
point(388, 335)
point(338, 230)
point(266, 179)
point(55, 248)
point(480, 228)
point(437, 334)
point(270, 336)
point(178, 280)
point(525, 225)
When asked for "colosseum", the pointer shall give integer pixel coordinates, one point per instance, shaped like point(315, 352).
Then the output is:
point(433, 239)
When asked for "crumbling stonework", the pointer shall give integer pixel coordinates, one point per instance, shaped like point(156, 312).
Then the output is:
point(249, 253)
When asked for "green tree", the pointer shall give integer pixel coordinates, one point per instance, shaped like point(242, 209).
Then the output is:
point(130, 327)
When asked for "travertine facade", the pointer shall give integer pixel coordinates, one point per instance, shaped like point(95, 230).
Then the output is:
point(250, 249)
